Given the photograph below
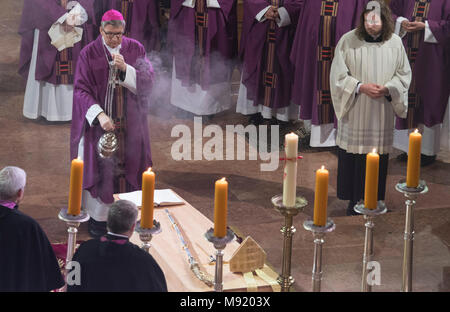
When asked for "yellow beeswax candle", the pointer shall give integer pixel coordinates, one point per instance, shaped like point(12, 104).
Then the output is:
point(321, 197)
point(371, 185)
point(413, 166)
point(220, 208)
point(76, 187)
point(148, 192)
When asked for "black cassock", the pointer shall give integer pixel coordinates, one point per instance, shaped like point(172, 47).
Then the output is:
point(27, 260)
point(112, 263)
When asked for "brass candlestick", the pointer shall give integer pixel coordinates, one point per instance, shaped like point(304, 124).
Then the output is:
point(146, 235)
point(285, 279)
point(219, 243)
point(369, 215)
point(319, 239)
point(411, 194)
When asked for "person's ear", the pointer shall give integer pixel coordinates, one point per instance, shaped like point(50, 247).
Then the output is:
point(20, 195)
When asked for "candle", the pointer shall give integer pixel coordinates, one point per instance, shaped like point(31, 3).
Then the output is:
point(290, 170)
point(413, 166)
point(371, 185)
point(220, 208)
point(321, 197)
point(76, 187)
point(148, 191)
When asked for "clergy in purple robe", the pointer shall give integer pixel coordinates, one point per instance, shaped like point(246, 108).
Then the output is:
point(141, 18)
point(425, 29)
point(48, 65)
point(266, 40)
point(202, 36)
point(322, 23)
point(112, 84)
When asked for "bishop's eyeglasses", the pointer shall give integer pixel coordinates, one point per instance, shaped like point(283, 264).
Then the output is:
point(111, 35)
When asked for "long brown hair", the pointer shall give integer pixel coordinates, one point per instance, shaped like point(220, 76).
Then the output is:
point(386, 18)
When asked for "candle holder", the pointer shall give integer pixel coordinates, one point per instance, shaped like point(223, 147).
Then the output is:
point(411, 194)
point(319, 239)
point(285, 279)
point(73, 222)
point(369, 215)
point(219, 243)
point(146, 235)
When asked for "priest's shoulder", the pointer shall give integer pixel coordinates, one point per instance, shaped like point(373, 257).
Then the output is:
point(349, 40)
point(350, 35)
point(139, 252)
point(93, 49)
point(20, 219)
point(132, 44)
point(396, 39)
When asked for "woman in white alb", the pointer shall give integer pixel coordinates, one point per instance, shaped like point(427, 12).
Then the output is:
point(370, 77)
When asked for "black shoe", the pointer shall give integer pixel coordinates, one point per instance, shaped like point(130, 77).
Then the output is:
point(426, 160)
point(96, 229)
point(402, 157)
point(350, 209)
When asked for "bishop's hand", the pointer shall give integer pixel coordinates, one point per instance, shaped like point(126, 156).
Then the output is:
point(271, 13)
point(105, 122)
point(119, 62)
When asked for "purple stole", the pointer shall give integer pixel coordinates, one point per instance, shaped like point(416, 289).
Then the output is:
point(325, 53)
point(126, 8)
point(64, 65)
point(201, 24)
point(107, 238)
point(413, 40)
point(201, 32)
point(269, 75)
point(119, 117)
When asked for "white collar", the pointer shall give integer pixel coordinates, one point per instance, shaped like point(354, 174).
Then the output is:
point(120, 235)
point(116, 50)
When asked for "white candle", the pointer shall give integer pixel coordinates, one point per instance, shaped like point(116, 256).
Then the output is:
point(290, 170)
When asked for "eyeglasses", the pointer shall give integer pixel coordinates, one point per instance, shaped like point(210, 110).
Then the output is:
point(111, 35)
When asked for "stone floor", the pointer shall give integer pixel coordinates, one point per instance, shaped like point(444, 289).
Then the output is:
point(42, 149)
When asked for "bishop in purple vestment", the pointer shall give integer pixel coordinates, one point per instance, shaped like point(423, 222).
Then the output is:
point(424, 26)
point(321, 25)
point(266, 70)
point(141, 17)
point(125, 116)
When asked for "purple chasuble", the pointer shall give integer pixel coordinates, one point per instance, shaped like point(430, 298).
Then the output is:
point(430, 64)
point(304, 53)
point(272, 89)
point(141, 17)
point(50, 64)
point(91, 79)
point(220, 42)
